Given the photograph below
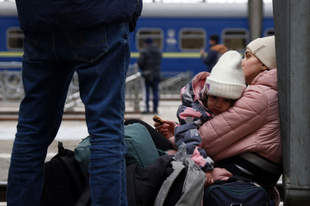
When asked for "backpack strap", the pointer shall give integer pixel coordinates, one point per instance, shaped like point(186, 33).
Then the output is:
point(178, 167)
point(254, 167)
point(67, 158)
point(72, 170)
point(84, 199)
point(130, 184)
point(262, 162)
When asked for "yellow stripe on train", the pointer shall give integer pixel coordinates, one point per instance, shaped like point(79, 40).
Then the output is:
point(133, 54)
point(11, 54)
point(173, 55)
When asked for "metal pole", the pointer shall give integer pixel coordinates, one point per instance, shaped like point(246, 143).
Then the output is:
point(255, 16)
point(136, 91)
point(292, 23)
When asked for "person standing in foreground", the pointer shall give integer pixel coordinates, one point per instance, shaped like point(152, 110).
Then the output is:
point(149, 63)
point(63, 37)
point(215, 52)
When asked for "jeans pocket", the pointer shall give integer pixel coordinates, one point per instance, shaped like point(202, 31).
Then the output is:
point(88, 45)
point(31, 40)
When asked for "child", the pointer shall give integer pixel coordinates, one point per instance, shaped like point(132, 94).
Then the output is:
point(202, 98)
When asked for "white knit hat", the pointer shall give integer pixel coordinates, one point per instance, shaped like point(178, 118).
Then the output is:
point(264, 49)
point(227, 78)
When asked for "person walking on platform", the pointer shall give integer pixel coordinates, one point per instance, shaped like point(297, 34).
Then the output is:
point(215, 52)
point(149, 63)
point(60, 38)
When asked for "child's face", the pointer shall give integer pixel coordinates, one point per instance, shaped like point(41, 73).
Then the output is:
point(218, 105)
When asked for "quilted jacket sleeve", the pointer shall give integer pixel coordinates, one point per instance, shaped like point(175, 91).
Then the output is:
point(245, 117)
point(187, 133)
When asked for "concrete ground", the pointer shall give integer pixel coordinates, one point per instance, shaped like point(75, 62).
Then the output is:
point(70, 133)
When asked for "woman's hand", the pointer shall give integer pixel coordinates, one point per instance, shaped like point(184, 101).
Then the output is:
point(209, 178)
point(166, 129)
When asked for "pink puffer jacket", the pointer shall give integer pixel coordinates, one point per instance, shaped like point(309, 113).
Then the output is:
point(252, 124)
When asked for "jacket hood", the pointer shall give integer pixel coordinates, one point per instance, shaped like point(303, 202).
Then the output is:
point(267, 78)
point(197, 84)
point(221, 48)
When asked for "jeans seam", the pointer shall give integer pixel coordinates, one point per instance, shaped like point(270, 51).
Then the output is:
point(27, 43)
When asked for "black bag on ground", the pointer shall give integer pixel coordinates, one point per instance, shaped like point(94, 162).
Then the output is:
point(143, 184)
point(236, 191)
point(64, 182)
point(165, 182)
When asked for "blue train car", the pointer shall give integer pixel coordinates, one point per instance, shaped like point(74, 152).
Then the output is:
point(180, 31)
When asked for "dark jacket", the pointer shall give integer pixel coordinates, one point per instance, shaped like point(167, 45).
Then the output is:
point(149, 62)
point(191, 115)
point(215, 52)
point(65, 15)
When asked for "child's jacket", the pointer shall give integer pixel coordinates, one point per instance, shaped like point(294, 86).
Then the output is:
point(192, 114)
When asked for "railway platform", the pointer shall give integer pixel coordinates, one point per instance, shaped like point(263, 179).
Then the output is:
point(70, 133)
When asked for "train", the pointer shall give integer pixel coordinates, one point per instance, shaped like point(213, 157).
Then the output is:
point(180, 30)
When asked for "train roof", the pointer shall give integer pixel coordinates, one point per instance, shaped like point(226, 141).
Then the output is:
point(8, 8)
point(200, 10)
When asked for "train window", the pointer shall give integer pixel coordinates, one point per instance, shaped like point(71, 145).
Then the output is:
point(154, 33)
point(235, 39)
point(192, 39)
point(269, 32)
point(14, 39)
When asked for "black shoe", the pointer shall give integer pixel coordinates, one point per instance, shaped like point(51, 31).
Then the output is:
point(145, 112)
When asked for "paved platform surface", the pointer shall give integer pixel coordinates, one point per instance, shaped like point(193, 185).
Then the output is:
point(70, 133)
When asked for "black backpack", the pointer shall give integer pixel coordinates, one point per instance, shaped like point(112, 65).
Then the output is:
point(64, 182)
point(165, 182)
point(143, 184)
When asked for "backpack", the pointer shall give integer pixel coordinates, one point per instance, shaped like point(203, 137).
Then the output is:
point(236, 191)
point(141, 149)
point(165, 182)
point(143, 184)
point(64, 181)
point(182, 190)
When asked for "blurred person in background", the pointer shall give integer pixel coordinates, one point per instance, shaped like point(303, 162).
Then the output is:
point(150, 65)
point(214, 53)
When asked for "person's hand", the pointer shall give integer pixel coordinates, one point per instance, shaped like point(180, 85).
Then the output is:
point(209, 178)
point(166, 129)
point(202, 51)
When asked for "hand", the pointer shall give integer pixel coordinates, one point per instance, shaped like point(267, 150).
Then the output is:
point(209, 178)
point(166, 129)
point(201, 51)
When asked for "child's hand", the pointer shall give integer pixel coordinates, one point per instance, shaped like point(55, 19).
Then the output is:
point(166, 129)
point(209, 178)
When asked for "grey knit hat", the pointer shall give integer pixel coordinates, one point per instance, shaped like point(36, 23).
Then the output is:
point(227, 78)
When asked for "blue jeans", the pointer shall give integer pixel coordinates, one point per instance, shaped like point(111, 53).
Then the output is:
point(100, 56)
point(154, 85)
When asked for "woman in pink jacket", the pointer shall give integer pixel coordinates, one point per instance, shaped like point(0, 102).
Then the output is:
point(246, 139)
